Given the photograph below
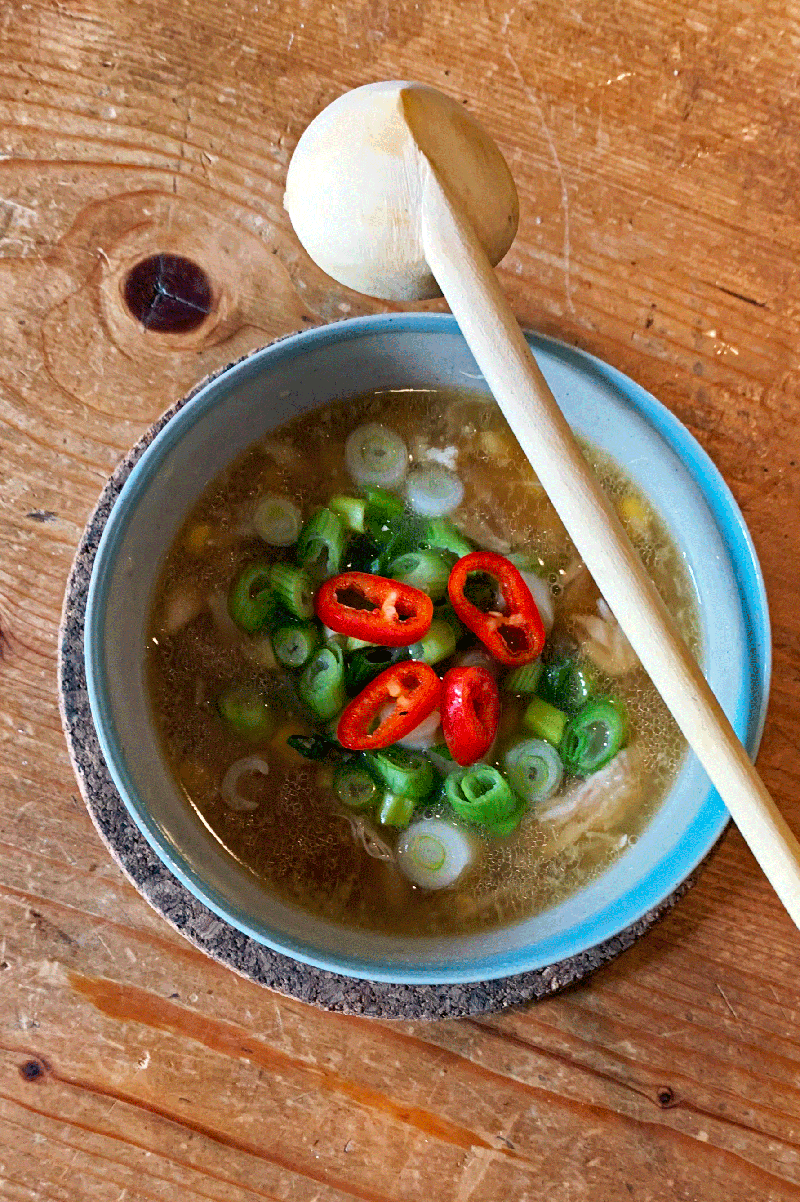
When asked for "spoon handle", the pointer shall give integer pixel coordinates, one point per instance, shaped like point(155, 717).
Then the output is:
point(476, 300)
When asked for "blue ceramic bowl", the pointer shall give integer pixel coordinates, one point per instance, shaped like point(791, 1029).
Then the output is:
point(252, 397)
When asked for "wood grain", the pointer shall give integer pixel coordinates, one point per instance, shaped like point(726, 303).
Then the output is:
point(655, 148)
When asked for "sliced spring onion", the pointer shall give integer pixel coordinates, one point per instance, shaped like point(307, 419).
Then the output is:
point(382, 512)
point(594, 736)
point(363, 666)
point(392, 528)
point(315, 747)
point(294, 645)
point(544, 721)
point(396, 810)
point(447, 614)
point(425, 570)
point(292, 587)
point(229, 785)
point(277, 521)
point(567, 683)
point(433, 491)
point(525, 679)
point(360, 554)
point(351, 512)
point(443, 535)
point(320, 547)
point(425, 735)
point(251, 601)
point(439, 755)
point(374, 454)
point(246, 711)
point(321, 686)
point(534, 769)
point(402, 538)
point(481, 796)
point(433, 853)
point(437, 644)
point(352, 644)
point(355, 787)
point(408, 773)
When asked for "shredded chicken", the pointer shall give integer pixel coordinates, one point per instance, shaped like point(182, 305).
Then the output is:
point(604, 641)
point(365, 834)
point(229, 633)
point(476, 526)
point(595, 804)
point(423, 453)
point(575, 568)
point(542, 595)
point(423, 736)
point(182, 605)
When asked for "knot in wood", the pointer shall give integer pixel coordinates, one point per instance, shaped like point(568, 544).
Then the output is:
point(32, 1070)
point(168, 294)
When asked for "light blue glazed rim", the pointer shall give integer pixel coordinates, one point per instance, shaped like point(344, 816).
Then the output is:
point(650, 891)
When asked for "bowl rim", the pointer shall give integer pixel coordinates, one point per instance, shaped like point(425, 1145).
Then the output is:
point(650, 891)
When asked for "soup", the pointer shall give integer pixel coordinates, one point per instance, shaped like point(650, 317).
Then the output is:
point(386, 682)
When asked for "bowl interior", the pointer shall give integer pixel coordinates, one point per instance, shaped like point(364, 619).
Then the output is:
point(402, 351)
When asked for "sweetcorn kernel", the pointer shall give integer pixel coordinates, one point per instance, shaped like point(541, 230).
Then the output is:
point(633, 514)
point(197, 537)
point(281, 748)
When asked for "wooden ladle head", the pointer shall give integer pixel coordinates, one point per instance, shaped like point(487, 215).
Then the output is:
point(355, 184)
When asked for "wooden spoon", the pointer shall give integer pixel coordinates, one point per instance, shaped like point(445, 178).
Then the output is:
point(393, 190)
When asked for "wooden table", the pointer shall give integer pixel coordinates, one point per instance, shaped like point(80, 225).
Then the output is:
point(655, 148)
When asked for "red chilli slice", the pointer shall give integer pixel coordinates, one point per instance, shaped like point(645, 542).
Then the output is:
point(470, 713)
point(513, 632)
point(412, 689)
point(373, 608)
